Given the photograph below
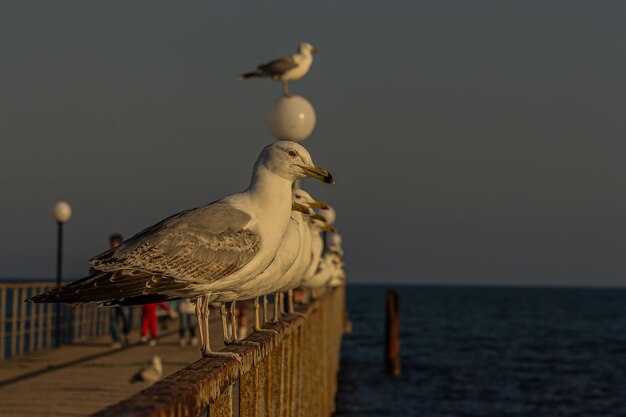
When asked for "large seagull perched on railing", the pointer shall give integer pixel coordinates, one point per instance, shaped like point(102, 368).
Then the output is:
point(285, 69)
point(201, 251)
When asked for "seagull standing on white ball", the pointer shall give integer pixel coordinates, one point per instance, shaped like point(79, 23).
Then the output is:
point(287, 68)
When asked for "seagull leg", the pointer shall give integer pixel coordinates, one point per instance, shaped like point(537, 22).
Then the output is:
point(233, 322)
point(198, 304)
point(224, 315)
point(277, 302)
point(265, 319)
point(202, 313)
point(286, 89)
point(205, 321)
point(291, 308)
point(283, 305)
point(290, 302)
point(257, 320)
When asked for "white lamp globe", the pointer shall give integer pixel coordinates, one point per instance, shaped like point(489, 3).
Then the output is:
point(291, 118)
point(62, 212)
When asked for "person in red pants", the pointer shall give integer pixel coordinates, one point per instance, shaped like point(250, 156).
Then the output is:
point(149, 320)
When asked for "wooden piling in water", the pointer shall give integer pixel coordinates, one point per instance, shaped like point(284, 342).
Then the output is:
point(392, 333)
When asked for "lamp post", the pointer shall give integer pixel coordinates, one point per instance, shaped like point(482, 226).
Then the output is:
point(62, 213)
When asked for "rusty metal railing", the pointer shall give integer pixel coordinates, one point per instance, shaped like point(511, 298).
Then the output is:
point(289, 374)
point(28, 327)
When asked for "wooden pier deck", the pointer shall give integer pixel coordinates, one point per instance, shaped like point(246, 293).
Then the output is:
point(80, 379)
point(288, 371)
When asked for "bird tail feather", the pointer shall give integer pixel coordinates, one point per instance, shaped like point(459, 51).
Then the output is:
point(252, 74)
point(123, 287)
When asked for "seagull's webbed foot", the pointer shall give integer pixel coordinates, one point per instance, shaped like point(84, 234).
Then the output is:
point(249, 342)
point(232, 355)
point(263, 330)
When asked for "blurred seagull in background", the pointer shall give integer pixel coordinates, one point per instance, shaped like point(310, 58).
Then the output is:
point(150, 373)
point(286, 69)
point(296, 274)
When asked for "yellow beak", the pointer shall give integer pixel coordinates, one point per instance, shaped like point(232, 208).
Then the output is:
point(318, 217)
point(320, 205)
point(300, 207)
point(317, 173)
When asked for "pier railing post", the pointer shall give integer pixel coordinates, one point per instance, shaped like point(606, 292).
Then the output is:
point(249, 393)
point(223, 406)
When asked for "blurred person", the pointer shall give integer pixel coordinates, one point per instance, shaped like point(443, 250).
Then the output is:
point(149, 322)
point(243, 312)
point(164, 316)
point(119, 314)
point(187, 312)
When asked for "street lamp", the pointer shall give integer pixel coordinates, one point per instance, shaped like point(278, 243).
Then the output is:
point(62, 213)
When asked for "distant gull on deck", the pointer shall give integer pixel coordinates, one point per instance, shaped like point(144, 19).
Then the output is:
point(149, 373)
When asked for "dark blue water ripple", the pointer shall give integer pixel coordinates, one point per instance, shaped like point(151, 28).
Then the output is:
point(485, 351)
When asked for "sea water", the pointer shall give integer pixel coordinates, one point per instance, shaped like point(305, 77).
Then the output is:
point(487, 351)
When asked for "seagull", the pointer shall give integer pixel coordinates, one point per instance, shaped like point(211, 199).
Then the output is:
point(150, 373)
point(297, 273)
point(201, 251)
point(338, 277)
point(287, 68)
point(316, 226)
point(334, 243)
point(269, 281)
point(298, 219)
point(322, 275)
point(330, 270)
point(329, 214)
point(333, 239)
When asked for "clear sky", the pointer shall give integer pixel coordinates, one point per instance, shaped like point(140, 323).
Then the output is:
point(472, 142)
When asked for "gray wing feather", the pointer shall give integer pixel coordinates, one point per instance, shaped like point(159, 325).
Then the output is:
point(278, 66)
point(200, 245)
point(165, 261)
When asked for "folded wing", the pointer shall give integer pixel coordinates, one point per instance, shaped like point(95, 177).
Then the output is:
point(163, 262)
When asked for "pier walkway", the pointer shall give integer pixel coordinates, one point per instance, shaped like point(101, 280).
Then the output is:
point(291, 371)
point(82, 378)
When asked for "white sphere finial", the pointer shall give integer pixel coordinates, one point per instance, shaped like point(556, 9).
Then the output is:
point(291, 118)
point(62, 212)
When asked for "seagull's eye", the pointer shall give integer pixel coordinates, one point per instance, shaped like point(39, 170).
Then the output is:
point(293, 153)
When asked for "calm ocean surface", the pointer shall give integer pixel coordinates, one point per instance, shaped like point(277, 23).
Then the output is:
point(488, 351)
